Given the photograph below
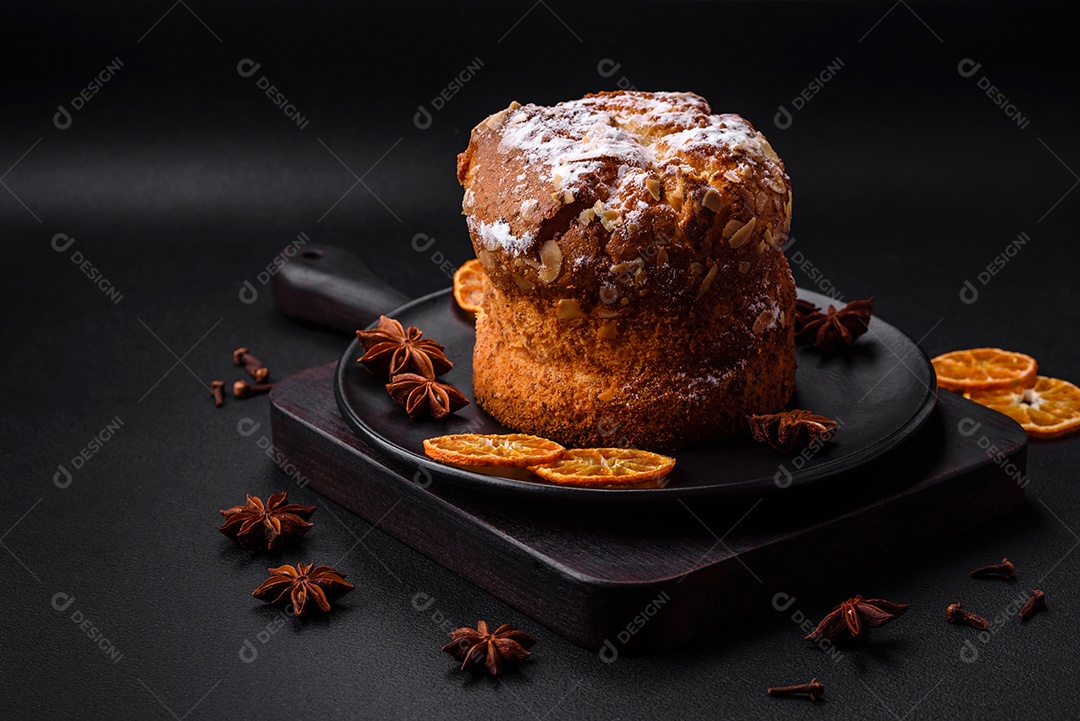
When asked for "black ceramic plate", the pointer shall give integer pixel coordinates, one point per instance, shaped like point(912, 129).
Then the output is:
point(881, 390)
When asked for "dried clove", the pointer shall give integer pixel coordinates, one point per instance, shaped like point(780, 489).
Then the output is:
point(956, 614)
point(1005, 569)
point(1037, 601)
point(242, 389)
point(217, 391)
point(254, 366)
point(813, 690)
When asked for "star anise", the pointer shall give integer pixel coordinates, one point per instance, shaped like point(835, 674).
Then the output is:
point(392, 349)
point(302, 587)
point(789, 430)
point(805, 311)
point(855, 616)
point(479, 647)
point(834, 329)
point(269, 526)
point(425, 396)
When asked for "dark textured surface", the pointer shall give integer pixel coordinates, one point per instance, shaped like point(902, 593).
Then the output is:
point(876, 409)
point(592, 571)
point(180, 180)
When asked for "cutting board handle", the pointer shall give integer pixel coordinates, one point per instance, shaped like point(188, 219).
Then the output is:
point(330, 287)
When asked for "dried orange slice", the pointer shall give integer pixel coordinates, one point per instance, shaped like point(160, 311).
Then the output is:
point(605, 467)
point(474, 449)
point(1048, 409)
point(469, 285)
point(984, 369)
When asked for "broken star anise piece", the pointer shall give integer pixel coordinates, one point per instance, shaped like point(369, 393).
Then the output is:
point(303, 587)
point(855, 616)
point(834, 329)
point(479, 647)
point(392, 349)
point(269, 526)
point(789, 430)
point(425, 396)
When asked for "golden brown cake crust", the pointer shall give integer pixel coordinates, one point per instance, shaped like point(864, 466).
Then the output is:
point(636, 291)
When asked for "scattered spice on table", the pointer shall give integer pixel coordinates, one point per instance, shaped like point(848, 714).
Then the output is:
point(813, 690)
point(1036, 601)
point(478, 647)
point(303, 587)
point(855, 616)
point(243, 389)
point(256, 525)
point(955, 613)
point(1006, 569)
point(255, 367)
point(218, 393)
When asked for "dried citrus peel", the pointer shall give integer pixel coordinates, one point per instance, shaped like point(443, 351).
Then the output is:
point(513, 450)
point(1050, 408)
point(984, 369)
point(605, 467)
point(469, 286)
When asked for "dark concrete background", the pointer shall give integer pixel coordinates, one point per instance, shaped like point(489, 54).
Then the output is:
point(179, 180)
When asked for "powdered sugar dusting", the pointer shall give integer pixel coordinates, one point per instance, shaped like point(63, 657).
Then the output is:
point(776, 313)
point(641, 131)
point(722, 130)
point(498, 235)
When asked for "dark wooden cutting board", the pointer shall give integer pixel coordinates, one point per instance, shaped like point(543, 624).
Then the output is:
point(637, 579)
